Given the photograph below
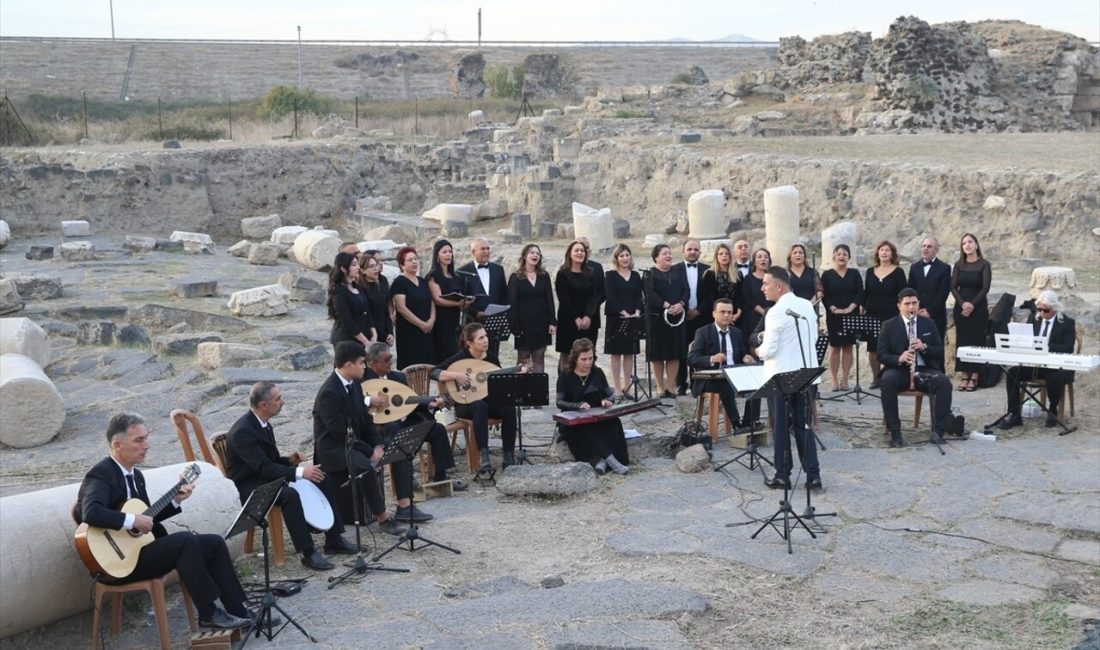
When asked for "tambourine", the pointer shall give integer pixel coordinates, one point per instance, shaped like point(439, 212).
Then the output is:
point(683, 315)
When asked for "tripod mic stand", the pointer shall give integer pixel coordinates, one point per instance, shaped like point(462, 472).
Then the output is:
point(254, 513)
point(863, 327)
point(403, 447)
point(359, 566)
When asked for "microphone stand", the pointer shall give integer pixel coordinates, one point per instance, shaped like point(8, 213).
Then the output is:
point(810, 513)
point(358, 567)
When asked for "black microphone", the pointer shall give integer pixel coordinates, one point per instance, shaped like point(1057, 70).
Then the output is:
point(793, 314)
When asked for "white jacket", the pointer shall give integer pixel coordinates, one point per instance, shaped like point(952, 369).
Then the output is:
point(779, 348)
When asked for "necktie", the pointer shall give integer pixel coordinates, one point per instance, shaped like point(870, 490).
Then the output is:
point(725, 350)
point(132, 487)
point(1046, 327)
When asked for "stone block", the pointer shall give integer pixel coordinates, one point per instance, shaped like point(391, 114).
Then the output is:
point(215, 354)
point(595, 225)
point(521, 224)
point(304, 289)
point(169, 246)
point(97, 332)
point(770, 116)
point(693, 459)
point(620, 228)
point(266, 254)
point(387, 248)
point(316, 249)
point(31, 407)
point(24, 336)
point(1062, 280)
point(491, 209)
point(391, 233)
point(161, 318)
point(994, 203)
point(5, 234)
point(564, 231)
point(198, 238)
point(310, 358)
point(708, 246)
point(183, 343)
point(171, 143)
point(373, 204)
point(240, 249)
point(548, 481)
point(260, 227)
point(287, 234)
point(196, 287)
point(567, 149)
point(39, 253)
point(133, 335)
point(77, 251)
point(547, 229)
point(76, 228)
point(653, 239)
point(35, 286)
point(455, 230)
point(689, 137)
point(706, 214)
point(268, 300)
point(445, 213)
point(140, 244)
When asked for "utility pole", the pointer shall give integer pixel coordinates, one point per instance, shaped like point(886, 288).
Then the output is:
point(479, 26)
point(299, 56)
point(112, 4)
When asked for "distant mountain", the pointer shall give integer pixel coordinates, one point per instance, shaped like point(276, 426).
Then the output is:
point(731, 38)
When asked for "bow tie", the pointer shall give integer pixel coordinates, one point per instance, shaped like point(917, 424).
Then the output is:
point(743, 266)
point(926, 263)
point(692, 265)
point(482, 266)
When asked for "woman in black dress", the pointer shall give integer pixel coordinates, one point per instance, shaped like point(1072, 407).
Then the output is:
point(753, 301)
point(347, 305)
point(666, 297)
point(970, 281)
point(415, 311)
point(843, 294)
point(805, 282)
point(442, 281)
point(623, 288)
point(531, 309)
point(721, 280)
point(475, 345)
point(376, 288)
point(575, 285)
point(581, 387)
point(881, 284)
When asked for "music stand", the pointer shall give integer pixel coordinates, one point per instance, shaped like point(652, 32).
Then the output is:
point(786, 385)
point(865, 328)
point(497, 325)
point(254, 513)
point(630, 329)
point(403, 447)
point(743, 379)
point(516, 390)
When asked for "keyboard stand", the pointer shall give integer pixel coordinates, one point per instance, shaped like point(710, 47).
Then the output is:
point(1031, 392)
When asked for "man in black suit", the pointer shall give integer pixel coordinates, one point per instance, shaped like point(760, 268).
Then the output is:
point(742, 257)
point(252, 459)
point(486, 282)
point(337, 408)
point(931, 279)
point(904, 340)
point(600, 290)
point(693, 270)
point(718, 346)
point(1060, 331)
point(203, 561)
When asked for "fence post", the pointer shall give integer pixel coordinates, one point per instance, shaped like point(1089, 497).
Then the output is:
point(357, 111)
point(11, 107)
point(84, 99)
point(295, 117)
point(229, 109)
point(160, 121)
point(416, 122)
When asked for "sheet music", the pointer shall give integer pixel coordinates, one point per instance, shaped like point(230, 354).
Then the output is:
point(744, 378)
point(1020, 329)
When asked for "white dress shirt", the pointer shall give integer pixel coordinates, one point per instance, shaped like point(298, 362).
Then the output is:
point(779, 348)
point(693, 284)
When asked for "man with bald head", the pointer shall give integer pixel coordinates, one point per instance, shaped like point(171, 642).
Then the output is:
point(930, 277)
point(742, 257)
point(485, 281)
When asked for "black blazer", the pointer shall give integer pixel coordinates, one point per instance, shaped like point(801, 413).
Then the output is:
point(352, 315)
point(932, 289)
point(893, 340)
point(252, 457)
point(1063, 333)
point(701, 268)
point(600, 290)
point(333, 410)
point(498, 287)
point(706, 344)
point(104, 491)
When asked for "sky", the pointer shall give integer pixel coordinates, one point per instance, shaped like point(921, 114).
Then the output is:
point(561, 20)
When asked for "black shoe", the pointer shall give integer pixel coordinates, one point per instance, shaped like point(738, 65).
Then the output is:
point(316, 561)
point(508, 459)
point(1052, 420)
point(936, 438)
point(340, 546)
point(390, 527)
point(896, 441)
point(814, 482)
point(682, 390)
point(486, 462)
point(778, 483)
point(873, 386)
point(1011, 421)
point(223, 620)
point(458, 485)
point(412, 512)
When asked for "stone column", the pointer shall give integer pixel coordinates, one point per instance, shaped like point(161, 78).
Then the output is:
point(707, 214)
point(31, 408)
point(316, 249)
point(24, 336)
point(844, 232)
point(1062, 280)
point(781, 221)
point(596, 225)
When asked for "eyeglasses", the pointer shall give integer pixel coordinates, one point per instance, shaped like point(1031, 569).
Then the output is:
point(1045, 310)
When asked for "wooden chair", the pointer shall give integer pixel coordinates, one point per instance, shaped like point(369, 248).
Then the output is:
point(473, 456)
point(181, 418)
point(1068, 396)
point(155, 588)
point(420, 381)
point(918, 403)
point(714, 407)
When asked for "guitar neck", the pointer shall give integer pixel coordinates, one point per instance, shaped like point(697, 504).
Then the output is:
point(162, 503)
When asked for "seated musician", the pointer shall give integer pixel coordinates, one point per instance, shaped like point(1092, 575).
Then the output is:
point(583, 386)
point(1060, 331)
point(380, 366)
point(252, 459)
point(337, 409)
point(475, 345)
point(718, 346)
point(903, 341)
point(202, 561)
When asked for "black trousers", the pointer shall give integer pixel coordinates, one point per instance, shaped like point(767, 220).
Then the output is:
point(691, 325)
point(440, 447)
point(728, 398)
point(1055, 379)
point(930, 382)
point(301, 535)
point(803, 438)
point(204, 567)
point(480, 412)
point(369, 486)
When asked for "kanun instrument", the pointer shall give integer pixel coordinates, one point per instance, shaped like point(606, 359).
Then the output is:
point(477, 386)
point(115, 552)
point(400, 399)
point(1054, 360)
point(596, 414)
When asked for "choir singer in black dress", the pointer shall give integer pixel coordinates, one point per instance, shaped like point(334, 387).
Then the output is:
point(666, 299)
point(578, 300)
point(348, 306)
point(531, 316)
point(581, 387)
point(623, 288)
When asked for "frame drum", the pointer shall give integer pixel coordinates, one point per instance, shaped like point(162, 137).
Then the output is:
point(315, 505)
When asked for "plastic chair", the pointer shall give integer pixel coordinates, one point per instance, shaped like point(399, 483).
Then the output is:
point(155, 588)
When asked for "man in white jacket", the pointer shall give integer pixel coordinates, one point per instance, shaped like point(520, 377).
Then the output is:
point(790, 340)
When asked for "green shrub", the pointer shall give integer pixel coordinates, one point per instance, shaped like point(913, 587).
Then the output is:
point(505, 83)
point(683, 78)
point(284, 100)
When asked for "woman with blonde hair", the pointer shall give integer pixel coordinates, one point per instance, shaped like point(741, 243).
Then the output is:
point(623, 288)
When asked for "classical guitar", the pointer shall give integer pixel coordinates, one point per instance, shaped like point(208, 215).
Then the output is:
point(477, 386)
point(115, 552)
point(400, 399)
